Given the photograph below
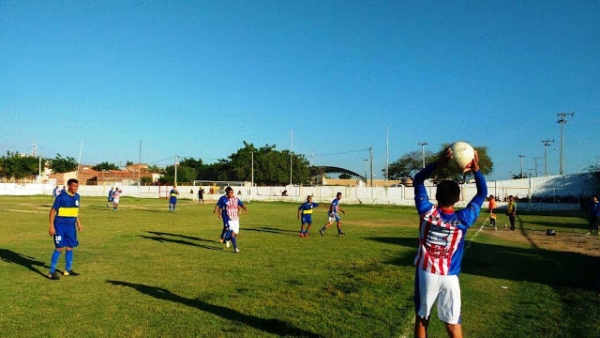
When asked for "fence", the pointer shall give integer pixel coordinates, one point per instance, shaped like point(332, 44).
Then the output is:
point(539, 193)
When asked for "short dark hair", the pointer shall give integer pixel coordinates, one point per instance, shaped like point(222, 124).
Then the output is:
point(72, 180)
point(448, 193)
point(339, 194)
point(228, 189)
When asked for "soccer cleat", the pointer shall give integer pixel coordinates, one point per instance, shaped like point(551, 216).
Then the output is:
point(301, 235)
point(321, 232)
point(589, 233)
point(236, 250)
point(306, 234)
point(342, 234)
point(227, 243)
point(53, 276)
point(70, 273)
point(220, 240)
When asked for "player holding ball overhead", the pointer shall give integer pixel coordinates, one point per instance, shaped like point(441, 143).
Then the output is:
point(442, 232)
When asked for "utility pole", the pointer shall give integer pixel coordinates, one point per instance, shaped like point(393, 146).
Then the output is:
point(371, 166)
point(536, 165)
point(521, 157)
point(176, 161)
point(291, 154)
point(423, 152)
point(387, 157)
point(562, 121)
point(140, 168)
point(366, 172)
point(546, 143)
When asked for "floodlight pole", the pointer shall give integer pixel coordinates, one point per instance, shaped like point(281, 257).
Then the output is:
point(176, 160)
point(562, 121)
point(423, 151)
point(521, 156)
point(536, 165)
point(546, 143)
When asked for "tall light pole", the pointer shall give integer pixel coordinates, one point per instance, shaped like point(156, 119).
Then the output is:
point(423, 151)
point(562, 121)
point(291, 154)
point(371, 166)
point(536, 165)
point(252, 179)
point(176, 160)
point(387, 155)
point(521, 157)
point(366, 171)
point(546, 143)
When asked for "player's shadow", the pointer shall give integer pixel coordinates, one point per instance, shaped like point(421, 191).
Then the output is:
point(406, 258)
point(162, 239)
point(25, 261)
point(193, 238)
point(272, 326)
point(271, 230)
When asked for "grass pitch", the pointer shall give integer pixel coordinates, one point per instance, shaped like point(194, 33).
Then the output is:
point(149, 273)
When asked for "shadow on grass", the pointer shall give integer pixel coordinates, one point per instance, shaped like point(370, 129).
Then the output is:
point(271, 230)
point(194, 238)
point(181, 241)
point(25, 261)
point(273, 326)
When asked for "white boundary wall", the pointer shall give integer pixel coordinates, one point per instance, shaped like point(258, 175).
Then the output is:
point(574, 185)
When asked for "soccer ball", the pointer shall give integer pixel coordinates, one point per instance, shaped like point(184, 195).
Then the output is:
point(462, 154)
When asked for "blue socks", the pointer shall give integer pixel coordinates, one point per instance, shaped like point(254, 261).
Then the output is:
point(69, 259)
point(54, 260)
point(233, 241)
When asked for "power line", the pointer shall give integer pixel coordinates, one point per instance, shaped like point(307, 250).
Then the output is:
point(344, 152)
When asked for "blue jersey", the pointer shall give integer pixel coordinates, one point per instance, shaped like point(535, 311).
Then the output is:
point(594, 209)
point(67, 209)
point(229, 207)
point(442, 235)
point(173, 196)
point(306, 209)
point(333, 208)
point(110, 195)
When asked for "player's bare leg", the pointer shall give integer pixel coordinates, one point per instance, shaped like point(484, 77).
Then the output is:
point(454, 330)
point(421, 325)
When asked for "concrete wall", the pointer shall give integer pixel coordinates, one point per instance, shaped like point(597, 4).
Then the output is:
point(576, 185)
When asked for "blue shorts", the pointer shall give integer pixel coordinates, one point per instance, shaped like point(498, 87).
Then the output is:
point(66, 236)
point(173, 200)
point(306, 219)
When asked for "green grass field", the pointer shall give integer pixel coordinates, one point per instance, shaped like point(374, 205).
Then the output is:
point(149, 273)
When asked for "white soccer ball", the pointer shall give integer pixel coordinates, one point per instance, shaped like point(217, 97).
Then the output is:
point(462, 154)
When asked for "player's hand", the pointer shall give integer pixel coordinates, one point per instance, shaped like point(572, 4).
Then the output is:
point(51, 231)
point(79, 226)
point(474, 165)
point(344, 212)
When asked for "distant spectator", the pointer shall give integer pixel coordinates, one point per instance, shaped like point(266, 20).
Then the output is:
point(512, 211)
point(201, 195)
point(492, 207)
point(594, 212)
point(56, 192)
point(284, 193)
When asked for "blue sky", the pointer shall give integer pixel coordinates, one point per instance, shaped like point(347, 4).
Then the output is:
point(324, 78)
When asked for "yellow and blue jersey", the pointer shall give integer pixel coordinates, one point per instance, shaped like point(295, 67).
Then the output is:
point(67, 208)
point(173, 194)
point(307, 208)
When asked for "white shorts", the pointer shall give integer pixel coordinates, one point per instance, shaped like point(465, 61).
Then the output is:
point(234, 225)
point(116, 200)
point(444, 288)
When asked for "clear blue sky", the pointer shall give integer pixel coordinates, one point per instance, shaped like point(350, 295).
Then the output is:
point(197, 78)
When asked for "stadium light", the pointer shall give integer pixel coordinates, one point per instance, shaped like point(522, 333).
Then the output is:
point(562, 121)
point(423, 151)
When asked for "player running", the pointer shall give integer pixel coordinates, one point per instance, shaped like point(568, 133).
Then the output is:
point(63, 223)
point(228, 207)
point(334, 215)
point(306, 209)
point(173, 194)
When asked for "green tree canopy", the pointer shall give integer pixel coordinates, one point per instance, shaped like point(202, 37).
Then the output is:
point(63, 165)
point(184, 175)
point(410, 163)
point(105, 166)
point(18, 167)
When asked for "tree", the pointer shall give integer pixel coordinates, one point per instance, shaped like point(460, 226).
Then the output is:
point(155, 169)
point(63, 165)
point(184, 174)
point(128, 163)
point(411, 163)
point(18, 167)
point(345, 176)
point(105, 166)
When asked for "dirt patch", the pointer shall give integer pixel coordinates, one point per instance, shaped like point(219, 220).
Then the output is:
point(565, 242)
